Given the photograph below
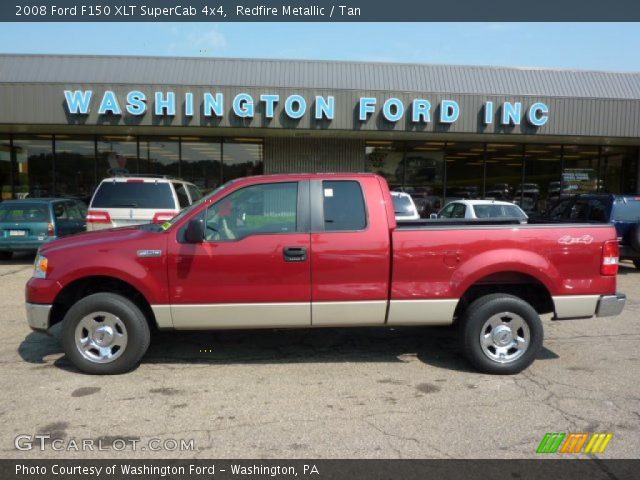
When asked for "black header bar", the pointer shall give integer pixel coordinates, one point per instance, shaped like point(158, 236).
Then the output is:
point(318, 11)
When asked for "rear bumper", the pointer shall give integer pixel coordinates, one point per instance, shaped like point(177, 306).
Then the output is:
point(38, 316)
point(18, 246)
point(586, 306)
point(611, 305)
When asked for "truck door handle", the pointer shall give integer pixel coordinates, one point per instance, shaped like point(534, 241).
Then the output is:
point(294, 254)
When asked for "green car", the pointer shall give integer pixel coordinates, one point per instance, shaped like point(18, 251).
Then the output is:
point(27, 224)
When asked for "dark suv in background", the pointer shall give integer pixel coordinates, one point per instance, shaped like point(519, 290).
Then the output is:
point(623, 211)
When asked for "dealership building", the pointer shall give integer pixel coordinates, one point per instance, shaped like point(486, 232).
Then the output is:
point(436, 131)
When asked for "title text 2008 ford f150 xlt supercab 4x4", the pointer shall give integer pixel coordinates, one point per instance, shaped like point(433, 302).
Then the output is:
point(319, 250)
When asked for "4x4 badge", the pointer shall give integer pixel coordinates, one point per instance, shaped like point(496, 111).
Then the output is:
point(569, 240)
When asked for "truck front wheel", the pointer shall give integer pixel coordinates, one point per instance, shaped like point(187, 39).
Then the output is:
point(502, 334)
point(105, 334)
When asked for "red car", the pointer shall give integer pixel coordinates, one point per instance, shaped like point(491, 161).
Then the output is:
point(301, 251)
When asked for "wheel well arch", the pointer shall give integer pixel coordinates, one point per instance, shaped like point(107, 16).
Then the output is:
point(521, 285)
point(85, 286)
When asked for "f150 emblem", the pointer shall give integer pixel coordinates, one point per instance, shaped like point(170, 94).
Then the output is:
point(569, 240)
point(149, 253)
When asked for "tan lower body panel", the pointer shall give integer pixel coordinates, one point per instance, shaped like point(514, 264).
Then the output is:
point(241, 315)
point(575, 306)
point(304, 315)
point(421, 312)
point(348, 314)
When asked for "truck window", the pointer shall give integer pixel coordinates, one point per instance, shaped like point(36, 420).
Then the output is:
point(257, 209)
point(343, 204)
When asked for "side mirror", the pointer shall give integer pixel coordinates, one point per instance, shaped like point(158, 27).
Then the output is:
point(195, 231)
point(433, 216)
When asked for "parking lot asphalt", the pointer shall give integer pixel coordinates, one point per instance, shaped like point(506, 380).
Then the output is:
point(351, 393)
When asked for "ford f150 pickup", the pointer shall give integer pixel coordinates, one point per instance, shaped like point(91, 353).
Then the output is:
point(319, 250)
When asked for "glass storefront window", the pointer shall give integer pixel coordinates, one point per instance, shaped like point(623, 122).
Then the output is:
point(424, 175)
point(542, 176)
point(384, 158)
point(242, 157)
point(465, 171)
point(5, 169)
point(117, 155)
point(504, 171)
point(75, 166)
point(617, 169)
point(159, 156)
point(34, 161)
point(580, 169)
point(201, 162)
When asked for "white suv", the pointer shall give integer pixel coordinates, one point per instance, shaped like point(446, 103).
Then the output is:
point(133, 200)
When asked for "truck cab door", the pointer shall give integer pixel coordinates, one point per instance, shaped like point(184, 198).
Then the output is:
point(252, 268)
point(350, 253)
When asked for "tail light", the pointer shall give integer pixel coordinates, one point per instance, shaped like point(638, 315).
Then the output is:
point(98, 217)
point(610, 254)
point(51, 230)
point(163, 217)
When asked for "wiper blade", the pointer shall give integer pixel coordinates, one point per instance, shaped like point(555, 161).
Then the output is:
point(131, 205)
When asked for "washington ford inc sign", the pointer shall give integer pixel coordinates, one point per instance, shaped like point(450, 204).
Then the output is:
point(243, 105)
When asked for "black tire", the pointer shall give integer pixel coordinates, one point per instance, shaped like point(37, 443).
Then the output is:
point(636, 262)
point(479, 312)
point(136, 329)
point(5, 255)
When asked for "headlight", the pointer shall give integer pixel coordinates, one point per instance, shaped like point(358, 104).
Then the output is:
point(40, 267)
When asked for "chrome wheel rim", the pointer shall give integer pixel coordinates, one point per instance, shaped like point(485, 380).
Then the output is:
point(101, 337)
point(505, 337)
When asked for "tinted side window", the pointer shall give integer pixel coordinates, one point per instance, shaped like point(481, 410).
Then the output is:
point(597, 211)
point(558, 211)
point(181, 193)
point(446, 212)
point(73, 212)
point(458, 210)
point(258, 209)
point(194, 193)
point(344, 207)
point(579, 211)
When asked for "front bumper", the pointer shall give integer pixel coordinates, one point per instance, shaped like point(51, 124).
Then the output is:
point(610, 305)
point(38, 316)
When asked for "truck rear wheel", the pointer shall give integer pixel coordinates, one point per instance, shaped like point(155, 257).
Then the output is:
point(105, 334)
point(502, 334)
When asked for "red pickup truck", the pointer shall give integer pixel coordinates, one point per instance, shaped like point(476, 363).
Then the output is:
point(319, 250)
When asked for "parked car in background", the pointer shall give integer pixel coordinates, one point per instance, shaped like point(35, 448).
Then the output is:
point(501, 191)
point(27, 224)
point(623, 211)
point(403, 206)
point(482, 209)
point(132, 200)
